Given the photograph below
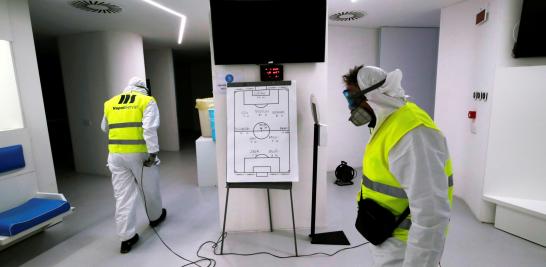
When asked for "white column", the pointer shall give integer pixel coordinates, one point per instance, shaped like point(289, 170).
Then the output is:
point(160, 70)
point(96, 66)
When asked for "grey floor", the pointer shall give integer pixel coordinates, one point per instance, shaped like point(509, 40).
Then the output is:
point(87, 238)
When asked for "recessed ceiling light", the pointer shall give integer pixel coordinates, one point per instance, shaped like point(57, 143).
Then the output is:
point(96, 6)
point(347, 15)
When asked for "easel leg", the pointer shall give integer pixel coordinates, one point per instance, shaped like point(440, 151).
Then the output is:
point(293, 222)
point(269, 204)
point(224, 227)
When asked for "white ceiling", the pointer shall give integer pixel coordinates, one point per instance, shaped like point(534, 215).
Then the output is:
point(160, 29)
point(401, 13)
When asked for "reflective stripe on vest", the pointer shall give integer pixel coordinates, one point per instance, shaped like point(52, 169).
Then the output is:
point(124, 115)
point(124, 125)
point(391, 190)
point(378, 183)
point(126, 142)
point(383, 188)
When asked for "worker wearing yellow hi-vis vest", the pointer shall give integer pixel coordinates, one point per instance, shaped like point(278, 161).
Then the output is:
point(131, 120)
point(407, 184)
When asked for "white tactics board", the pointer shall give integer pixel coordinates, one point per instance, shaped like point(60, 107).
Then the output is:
point(262, 132)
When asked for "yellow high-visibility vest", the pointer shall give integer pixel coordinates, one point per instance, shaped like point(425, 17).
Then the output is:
point(378, 183)
point(124, 115)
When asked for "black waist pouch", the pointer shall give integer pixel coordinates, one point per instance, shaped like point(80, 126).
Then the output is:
point(376, 223)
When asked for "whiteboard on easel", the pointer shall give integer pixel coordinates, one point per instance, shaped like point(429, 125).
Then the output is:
point(262, 132)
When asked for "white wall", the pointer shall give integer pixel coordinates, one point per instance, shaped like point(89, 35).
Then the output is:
point(39, 173)
point(5, 25)
point(11, 116)
point(462, 65)
point(468, 58)
point(518, 148)
point(160, 71)
point(415, 52)
point(347, 47)
point(96, 66)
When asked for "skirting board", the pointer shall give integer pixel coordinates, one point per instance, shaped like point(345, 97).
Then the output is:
point(521, 224)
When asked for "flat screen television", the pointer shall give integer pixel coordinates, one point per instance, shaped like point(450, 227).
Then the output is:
point(263, 31)
point(531, 41)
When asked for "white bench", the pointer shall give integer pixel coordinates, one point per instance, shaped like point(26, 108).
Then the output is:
point(525, 218)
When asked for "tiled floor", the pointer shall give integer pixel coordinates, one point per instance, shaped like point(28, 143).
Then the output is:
point(87, 238)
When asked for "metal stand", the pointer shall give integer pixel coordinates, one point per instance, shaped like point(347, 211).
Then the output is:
point(267, 186)
point(330, 238)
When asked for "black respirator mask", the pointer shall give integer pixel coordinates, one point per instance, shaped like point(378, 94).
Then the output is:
point(359, 115)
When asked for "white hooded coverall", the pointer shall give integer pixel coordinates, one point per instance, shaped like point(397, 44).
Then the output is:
point(126, 167)
point(417, 161)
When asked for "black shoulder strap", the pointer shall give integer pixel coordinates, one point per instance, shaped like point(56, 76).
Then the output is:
point(402, 216)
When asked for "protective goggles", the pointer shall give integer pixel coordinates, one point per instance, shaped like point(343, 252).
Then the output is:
point(354, 99)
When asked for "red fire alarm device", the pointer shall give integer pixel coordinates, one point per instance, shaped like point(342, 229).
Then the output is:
point(481, 17)
point(472, 114)
point(271, 72)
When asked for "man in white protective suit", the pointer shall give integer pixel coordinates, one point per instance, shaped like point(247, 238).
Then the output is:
point(131, 120)
point(407, 184)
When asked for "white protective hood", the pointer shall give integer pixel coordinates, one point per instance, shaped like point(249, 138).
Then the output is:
point(136, 84)
point(385, 99)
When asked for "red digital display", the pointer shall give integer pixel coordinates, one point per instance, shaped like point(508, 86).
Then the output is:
point(271, 72)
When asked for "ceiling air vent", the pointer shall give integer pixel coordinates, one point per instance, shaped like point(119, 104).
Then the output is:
point(347, 15)
point(96, 6)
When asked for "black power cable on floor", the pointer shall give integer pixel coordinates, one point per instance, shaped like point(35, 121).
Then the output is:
point(211, 262)
point(214, 245)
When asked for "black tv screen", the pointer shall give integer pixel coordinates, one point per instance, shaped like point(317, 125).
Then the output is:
point(531, 41)
point(261, 31)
